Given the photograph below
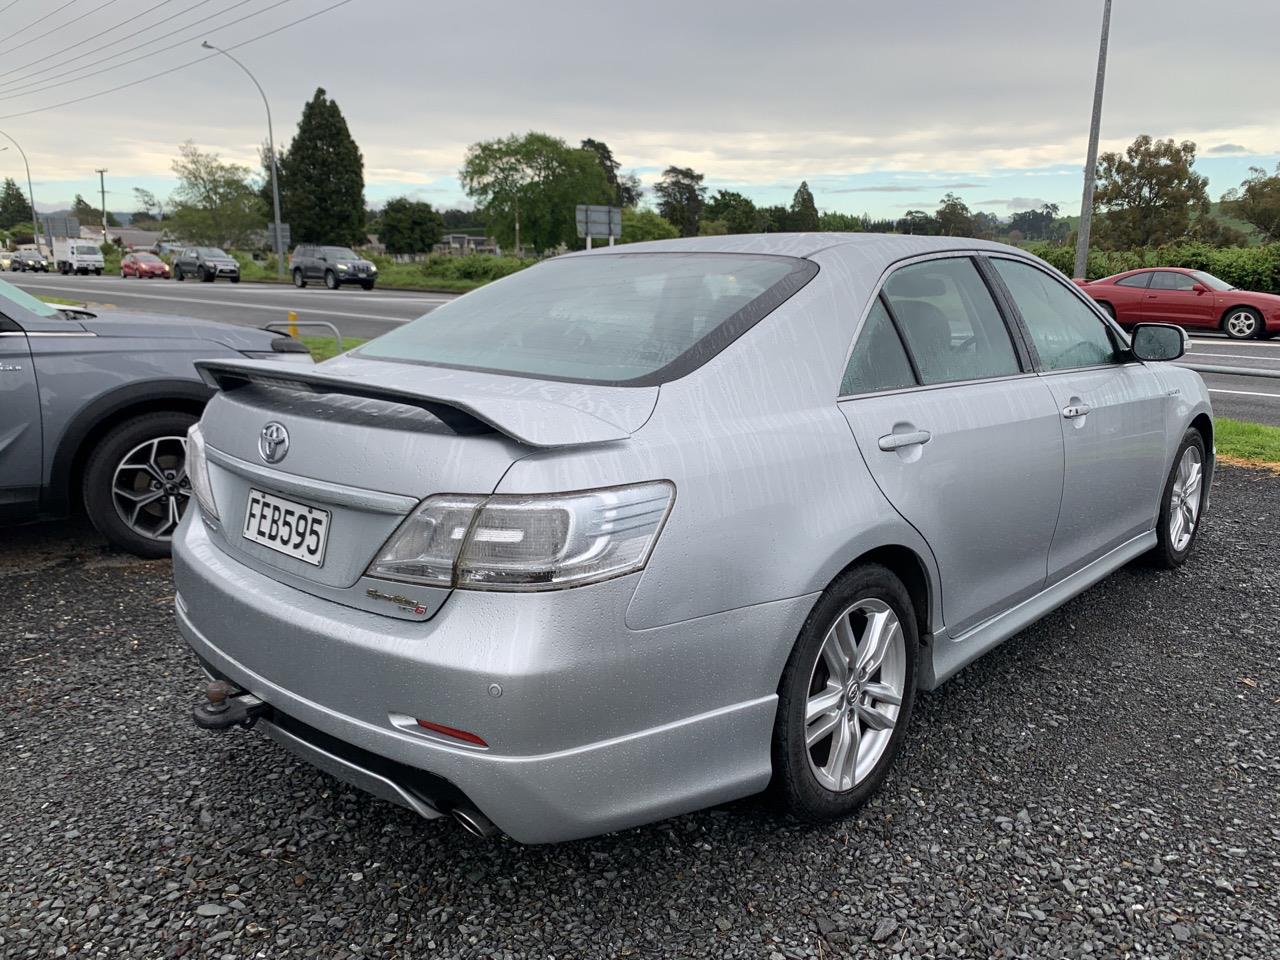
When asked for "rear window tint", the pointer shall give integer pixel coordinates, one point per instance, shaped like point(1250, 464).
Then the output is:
point(633, 319)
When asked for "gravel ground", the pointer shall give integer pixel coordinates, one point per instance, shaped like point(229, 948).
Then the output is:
point(1103, 785)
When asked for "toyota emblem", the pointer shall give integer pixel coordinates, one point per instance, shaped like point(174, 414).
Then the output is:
point(273, 442)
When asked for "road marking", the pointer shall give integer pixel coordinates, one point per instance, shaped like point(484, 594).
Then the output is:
point(1238, 356)
point(274, 307)
point(384, 296)
point(1244, 393)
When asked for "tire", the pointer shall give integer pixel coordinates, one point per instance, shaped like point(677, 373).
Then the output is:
point(97, 271)
point(107, 471)
point(204, 275)
point(798, 782)
point(122, 273)
point(299, 280)
point(330, 280)
point(236, 278)
point(178, 274)
point(1108, 309)
point(366, 284)
point(1172, 548)
point(1242, 323)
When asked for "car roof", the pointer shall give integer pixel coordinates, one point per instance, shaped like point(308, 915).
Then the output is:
point(883, 246)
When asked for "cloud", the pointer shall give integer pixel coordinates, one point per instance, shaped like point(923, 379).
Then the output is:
point(1228, 148)
point(1014, 204)
point(907, 187)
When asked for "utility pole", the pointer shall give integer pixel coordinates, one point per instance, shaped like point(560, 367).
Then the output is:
point(102, 182)
point(1091, 163)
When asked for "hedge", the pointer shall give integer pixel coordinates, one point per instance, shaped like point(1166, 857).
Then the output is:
point(1249, 268)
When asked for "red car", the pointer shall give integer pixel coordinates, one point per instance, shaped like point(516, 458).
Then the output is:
point(1189, 298)
point(143, 265)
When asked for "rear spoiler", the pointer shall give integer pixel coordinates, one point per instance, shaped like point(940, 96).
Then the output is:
point(531, 421)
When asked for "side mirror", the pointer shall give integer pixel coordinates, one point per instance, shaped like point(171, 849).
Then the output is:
point(1158, 341)
point(1199, 288)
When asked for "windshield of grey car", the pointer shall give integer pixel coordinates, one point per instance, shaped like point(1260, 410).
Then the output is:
point(634, 319)
point(25, 300)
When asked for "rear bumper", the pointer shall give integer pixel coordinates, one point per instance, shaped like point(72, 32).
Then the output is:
point(596, 728)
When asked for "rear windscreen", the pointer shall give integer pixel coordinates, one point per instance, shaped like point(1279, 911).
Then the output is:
point(635, 319)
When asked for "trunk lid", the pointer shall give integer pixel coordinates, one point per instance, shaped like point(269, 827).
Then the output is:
point(368, 440)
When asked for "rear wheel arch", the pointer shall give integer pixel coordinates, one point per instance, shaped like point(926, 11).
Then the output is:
point(909, 567)
point(97, 419)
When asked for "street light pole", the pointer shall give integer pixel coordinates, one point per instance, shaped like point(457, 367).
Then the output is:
point(31, 194)
point(271, 145)
point(1091, 164)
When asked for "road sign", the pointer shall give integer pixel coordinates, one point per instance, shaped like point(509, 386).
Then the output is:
point(595, 221)
point(284, 236)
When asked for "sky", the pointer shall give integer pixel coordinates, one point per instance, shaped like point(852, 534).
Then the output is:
point(881, 107)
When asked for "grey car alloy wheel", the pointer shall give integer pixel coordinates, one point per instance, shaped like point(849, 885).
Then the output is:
point(1184, 498)
point(1242, 324)
point(855, 693)
point(150, 487)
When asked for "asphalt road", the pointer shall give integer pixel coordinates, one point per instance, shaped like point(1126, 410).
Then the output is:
point(1102, 785)
point(355, 312)
point(1254, 399)
point(358, 313)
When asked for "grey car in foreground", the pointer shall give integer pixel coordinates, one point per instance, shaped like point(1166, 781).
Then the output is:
point(94, 412)
point(645, 529)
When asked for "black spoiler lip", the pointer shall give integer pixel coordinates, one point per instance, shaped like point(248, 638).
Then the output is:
point(535, 423)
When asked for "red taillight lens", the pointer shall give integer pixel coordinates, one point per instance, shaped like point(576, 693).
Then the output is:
point(454, 732)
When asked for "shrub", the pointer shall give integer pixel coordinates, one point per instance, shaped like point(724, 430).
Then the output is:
point(1249, 268)
point(477, 267)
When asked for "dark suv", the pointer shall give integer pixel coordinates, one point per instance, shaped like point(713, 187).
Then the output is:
point(334, 265)
point(207, 263)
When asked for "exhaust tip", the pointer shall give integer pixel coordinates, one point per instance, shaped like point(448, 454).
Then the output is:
point(474, 822)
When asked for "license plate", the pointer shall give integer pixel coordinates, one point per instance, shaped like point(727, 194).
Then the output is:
point(287, 527)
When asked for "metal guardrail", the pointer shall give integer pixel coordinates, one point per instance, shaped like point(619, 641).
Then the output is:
point(289, 326)
point(1231, 371)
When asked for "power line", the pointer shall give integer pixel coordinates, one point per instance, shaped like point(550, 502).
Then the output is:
point(101, 33)
point(41, 20)
point(56, 26)
point(175, 69)
point(11, 3)
point(24, 85)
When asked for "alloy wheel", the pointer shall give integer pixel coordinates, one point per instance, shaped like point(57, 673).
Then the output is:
point(855, 694)
point(1184, 499)
point(150, 487)
point(1242, 324)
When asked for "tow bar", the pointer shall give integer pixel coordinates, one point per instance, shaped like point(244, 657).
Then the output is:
point(228, 707)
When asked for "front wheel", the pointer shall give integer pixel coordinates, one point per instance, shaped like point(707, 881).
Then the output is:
point(97, 271)
point(178, 274)
point(846, 695)
point(366, 284)
point(135, 482)
point(331, 280)
point(236, 278)
point(205, 276)
point(1182, 504)
point(1242, 323)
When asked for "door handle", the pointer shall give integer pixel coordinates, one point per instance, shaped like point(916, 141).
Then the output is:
point(1151, 296)
point(896, 441)
point(1074, 410)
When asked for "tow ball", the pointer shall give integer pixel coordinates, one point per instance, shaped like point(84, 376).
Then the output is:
point(228, 707)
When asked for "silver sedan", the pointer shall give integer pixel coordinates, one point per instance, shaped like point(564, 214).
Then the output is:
point(649, 528)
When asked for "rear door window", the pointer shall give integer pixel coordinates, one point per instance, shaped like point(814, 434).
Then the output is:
point(879, 360)
point(631, 319)
point(950, 321)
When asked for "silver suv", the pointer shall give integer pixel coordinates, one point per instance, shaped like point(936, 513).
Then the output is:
point(644, 529)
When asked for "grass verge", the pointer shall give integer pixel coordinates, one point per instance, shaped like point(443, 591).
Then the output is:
point(63, 302)
point(1241, 442)
point(322, 348)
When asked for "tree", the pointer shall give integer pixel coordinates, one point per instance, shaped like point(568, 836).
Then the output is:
point(954, 217)
point(1257, 201)
point(626, 188)
point(455, 218)
point(150, 207)
point(640, 225)
point(14, 207)
point(215, 202)
point(410, 226)
point(528, 187)
point(736, 212)
point(681, 198)
point(918, 222)
point(774, 219)
point(985, 225)
point(322, 190)
point(88, 214)
point(803, 215)
point(1148, 194)
point(1042, 224)
point(840, 222)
